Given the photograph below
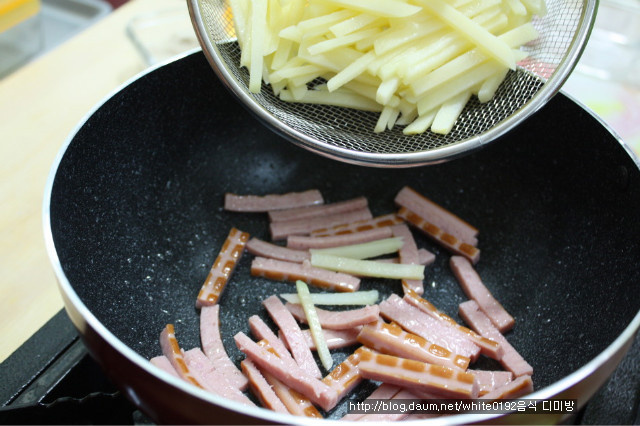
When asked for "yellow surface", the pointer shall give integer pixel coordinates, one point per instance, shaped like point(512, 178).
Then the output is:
point(39, 106)
point(12, 12)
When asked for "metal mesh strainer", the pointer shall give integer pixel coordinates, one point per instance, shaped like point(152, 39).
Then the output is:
point(347, 135)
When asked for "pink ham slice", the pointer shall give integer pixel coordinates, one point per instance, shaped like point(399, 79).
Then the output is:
point(491, 380)
point(262, 248)
point(211, 378)
point(318, 210)
point(222, 268)
point(517, 388)
point(292, 336)
point(417, 322)
point(448, 241)
point(411, 374)
point(511, 359)
point(345, 376)
point(303, 242)
point(296, 403)
point(338, 320)
point(488, 347)
point(265, 203)
point(437, 215)
point(296, 378)
point(359, 226)
point(280, 270)
point(394, 416)
point(425, 257)
point(163, 363)
point(408, 254)
point(261, 388)
point(262, 332)
point(213, 347)
point(384, 391)
point(390, 339)
point(475, 289)
point(280, 230)
point(171, 349)
point(335, 339)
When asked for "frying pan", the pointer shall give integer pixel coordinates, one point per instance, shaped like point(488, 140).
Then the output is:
point(133, 221)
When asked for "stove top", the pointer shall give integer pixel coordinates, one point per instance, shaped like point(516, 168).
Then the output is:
point(51, 379)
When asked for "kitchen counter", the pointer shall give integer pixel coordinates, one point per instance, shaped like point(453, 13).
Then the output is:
point(42, 103)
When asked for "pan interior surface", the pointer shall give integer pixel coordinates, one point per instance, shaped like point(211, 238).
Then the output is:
point(137, 219)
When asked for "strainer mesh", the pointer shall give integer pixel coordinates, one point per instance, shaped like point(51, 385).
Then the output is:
point(353, 130)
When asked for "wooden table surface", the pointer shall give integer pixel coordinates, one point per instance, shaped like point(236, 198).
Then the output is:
point(40, 104)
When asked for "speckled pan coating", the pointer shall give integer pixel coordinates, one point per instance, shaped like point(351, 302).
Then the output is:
point(136, 218)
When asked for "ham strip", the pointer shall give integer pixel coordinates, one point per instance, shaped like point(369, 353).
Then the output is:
point(171, 349)
point(296, 403)
point(262, 331)
point(280, 230)
point(272, 251)
point(213, 379)
point(390, 417)
point(417, 322)
point(261, 388)
point(475, 290)
point(425, 257)
point(222, 268)
point(390, 339)
point(511, 359)
point(265, 203)
point(292, 336)
point(408, 253)
point(359, 226)
point(443, 381)
point(317, 391)
point(304, 242)
point(437, 215)
point(488, 347)
point(163, 363)
point(521, 386)
point(488, 381)
point(384, 391)
point(345, 376)
point(338, 320)
point(280, 270)
point(318, 210)
point(213, 347)
point(335, 339)
point(448, 241)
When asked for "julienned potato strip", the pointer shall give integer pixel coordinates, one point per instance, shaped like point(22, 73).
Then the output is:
point(416, 62)
point(368, 268)
point(363, 297)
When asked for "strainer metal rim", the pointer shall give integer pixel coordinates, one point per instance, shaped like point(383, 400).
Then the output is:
point(549, 88)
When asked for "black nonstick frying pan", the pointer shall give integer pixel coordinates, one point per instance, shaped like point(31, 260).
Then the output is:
point(133, 221)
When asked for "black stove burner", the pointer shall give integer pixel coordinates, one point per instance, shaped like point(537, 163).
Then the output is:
point(51, 379)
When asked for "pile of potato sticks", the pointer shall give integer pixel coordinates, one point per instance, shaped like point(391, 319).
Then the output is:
point(415, 62)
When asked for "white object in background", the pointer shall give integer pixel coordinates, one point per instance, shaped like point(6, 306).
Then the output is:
point(162, 34)
point(607, 77)
point(62, 19)
point(613, 50)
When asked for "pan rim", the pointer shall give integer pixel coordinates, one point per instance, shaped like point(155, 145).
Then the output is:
point(88, 317)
